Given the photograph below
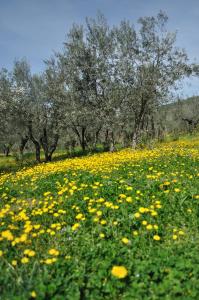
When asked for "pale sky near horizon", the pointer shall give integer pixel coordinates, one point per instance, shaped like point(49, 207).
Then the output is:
point(35, 28)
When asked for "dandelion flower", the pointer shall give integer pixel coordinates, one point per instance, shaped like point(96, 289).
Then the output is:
point(125, 240)
point(119, 272)
point(24, 260)
point(33, 294)
point(53, 252)
point(156, 237)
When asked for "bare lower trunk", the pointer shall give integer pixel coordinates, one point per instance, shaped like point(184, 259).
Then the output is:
point(37, 152)
point(6, 150)
point(152, 127)
point(112, 147)
point(44, 144)
point(24, 141)
point(48, 150)
point(53, 147)
point(81, 136)
point(139, 122)
point(96, 138)
point(135, 138)
point(112, 144)
point(83, 139)
point(35, 142)
point(106, 140)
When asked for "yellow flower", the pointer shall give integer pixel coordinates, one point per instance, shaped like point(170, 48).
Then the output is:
point(14, 262)
point(33, 294)
point(125, 240)
point(53, 252)
point(119, 272)
point(129, 188)
point(75, 226)
point(167, 191)
point(135, 233)
point(129, 199)
point(56, 215)
point(79, 216)
point(54, 259)
point(156, 237)
point(154, 213)
point(181, 232)
point(47, 193)
point(67, 257)
point(137, 215)
point(24, 260)
point(37, 226)
point(95, 220)
point(1, 253)
point(102, 235)
point(175, 237)
point(31, 253)
point(103, 222)
point(158, 206)
point(122, 196)
point(149, 227)
point(48, 261)
point(23, 237)
point(177, 190)
point(144, 223)
point(7, 234)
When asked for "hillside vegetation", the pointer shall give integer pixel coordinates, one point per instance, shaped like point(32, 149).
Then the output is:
point(120, 225)
point(181, 116)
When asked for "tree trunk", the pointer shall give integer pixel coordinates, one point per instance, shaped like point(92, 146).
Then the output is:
point(96, 138)
point(106, 141)
point(83, 140)
point(35, 142)
point(44, 144)
point(52, 148)
point(112, 144)
point(24, 141)
point(135, 135)
point(139, 122)
point(135, 139)
point(48, 150)
point(37, 151)
point(81, 136)
point(6, 150)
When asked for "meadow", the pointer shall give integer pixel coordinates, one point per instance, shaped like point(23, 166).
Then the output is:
point(113, 226)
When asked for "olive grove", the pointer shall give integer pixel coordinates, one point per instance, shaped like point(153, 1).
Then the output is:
point(106, 86)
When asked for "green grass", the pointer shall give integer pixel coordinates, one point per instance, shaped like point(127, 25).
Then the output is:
point(163, 269)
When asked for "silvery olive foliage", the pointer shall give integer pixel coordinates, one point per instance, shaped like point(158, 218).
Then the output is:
point(107, 85)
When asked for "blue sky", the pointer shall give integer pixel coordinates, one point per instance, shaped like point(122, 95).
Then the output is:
point(35, 28)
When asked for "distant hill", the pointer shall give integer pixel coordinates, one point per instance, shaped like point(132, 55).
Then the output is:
point(181, 115)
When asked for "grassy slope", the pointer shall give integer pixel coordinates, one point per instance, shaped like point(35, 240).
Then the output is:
point(85, 207)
